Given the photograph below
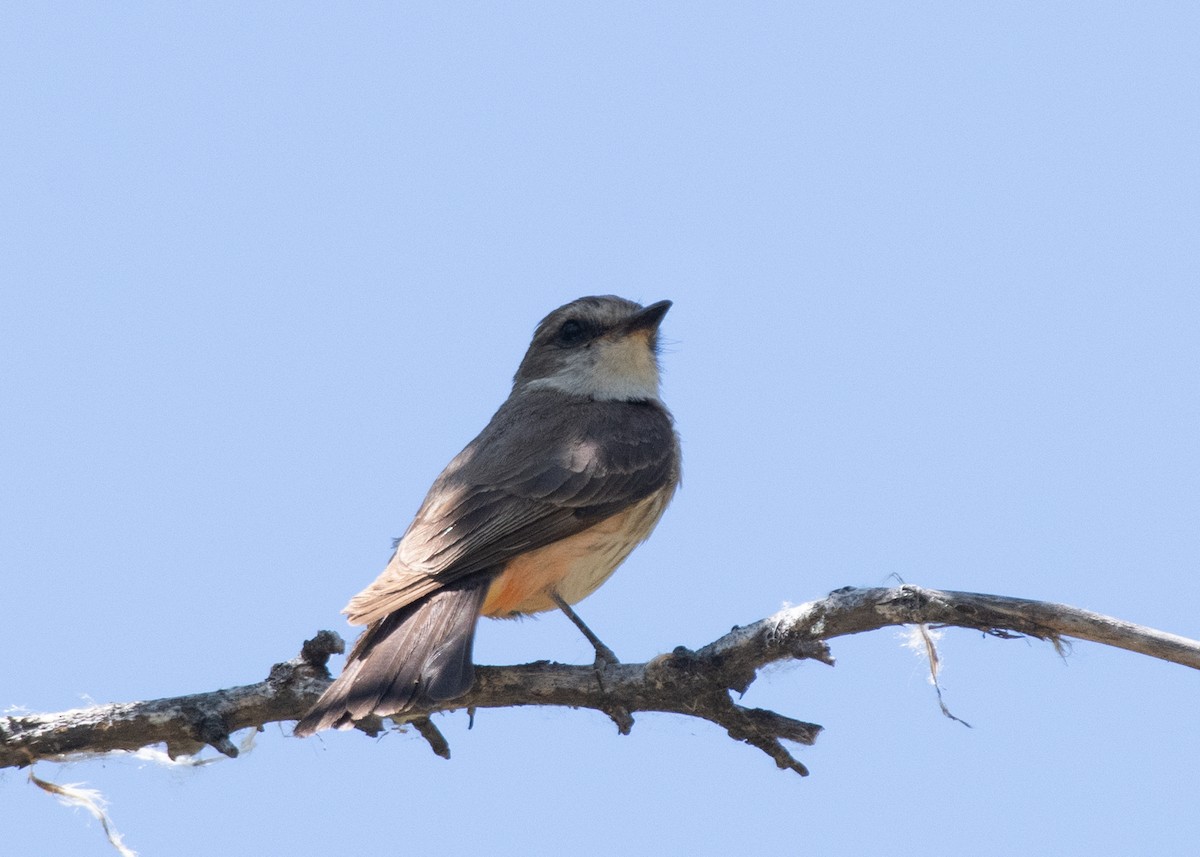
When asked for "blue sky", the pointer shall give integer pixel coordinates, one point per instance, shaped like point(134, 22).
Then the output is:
point(266, 269)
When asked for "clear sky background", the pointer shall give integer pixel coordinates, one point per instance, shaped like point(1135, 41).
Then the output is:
point(266, 268)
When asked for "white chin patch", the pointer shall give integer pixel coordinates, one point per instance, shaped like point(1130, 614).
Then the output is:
point(617, 370)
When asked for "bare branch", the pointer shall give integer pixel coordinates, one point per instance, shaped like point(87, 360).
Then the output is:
point(692, 683)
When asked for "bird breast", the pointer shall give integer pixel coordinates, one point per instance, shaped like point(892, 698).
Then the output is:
point(575, 566)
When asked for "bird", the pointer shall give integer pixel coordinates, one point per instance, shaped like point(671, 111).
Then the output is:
point(573, 471)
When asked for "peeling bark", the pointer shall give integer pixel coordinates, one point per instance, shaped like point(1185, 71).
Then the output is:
point(692, 683)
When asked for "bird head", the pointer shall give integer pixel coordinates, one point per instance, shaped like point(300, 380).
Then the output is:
point(598, 347)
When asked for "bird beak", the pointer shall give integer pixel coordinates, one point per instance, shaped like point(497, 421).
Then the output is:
point(648, 318)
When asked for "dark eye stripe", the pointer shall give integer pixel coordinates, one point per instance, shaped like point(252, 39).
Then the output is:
point(572, 332)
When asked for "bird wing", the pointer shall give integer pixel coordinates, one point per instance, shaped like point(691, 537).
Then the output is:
point(545, 468)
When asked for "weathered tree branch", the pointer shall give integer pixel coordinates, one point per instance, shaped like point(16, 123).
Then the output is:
point(692, 683)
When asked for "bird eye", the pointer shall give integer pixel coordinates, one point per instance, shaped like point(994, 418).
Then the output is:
point(572, 332)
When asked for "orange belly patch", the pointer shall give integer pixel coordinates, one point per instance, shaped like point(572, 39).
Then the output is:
point(573, 567)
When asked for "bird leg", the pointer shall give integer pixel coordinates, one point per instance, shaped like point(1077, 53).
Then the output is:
point(604, 655)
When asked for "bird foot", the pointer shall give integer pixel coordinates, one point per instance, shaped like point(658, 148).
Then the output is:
point(604, 655)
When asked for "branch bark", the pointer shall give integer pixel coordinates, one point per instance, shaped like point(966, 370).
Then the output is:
point(692, 683)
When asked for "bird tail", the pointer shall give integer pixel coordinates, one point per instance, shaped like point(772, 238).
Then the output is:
point(417, 656)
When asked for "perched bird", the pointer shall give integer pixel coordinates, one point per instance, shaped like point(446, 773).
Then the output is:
point(571, 474)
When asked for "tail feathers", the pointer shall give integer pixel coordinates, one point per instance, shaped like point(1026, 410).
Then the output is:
point(420, 655)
